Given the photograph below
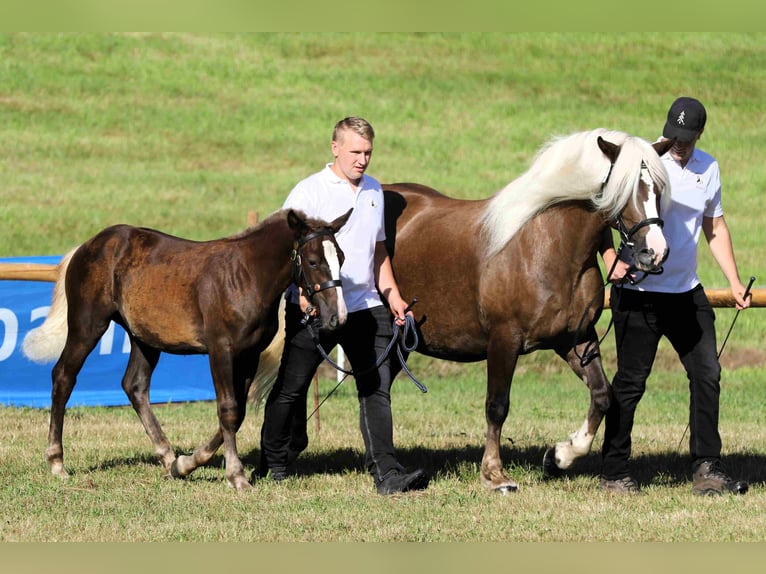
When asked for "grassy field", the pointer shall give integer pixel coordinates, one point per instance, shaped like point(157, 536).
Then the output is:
point(189, 132)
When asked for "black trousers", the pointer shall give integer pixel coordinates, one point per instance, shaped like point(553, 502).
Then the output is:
point(363, 338)
point(688, 322)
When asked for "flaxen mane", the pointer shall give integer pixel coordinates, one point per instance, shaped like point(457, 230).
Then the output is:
point(572, 168)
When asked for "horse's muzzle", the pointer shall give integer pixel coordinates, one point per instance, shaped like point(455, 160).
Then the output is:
point(648, 260)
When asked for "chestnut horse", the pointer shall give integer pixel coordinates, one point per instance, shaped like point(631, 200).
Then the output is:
point(219, 298)
point(504, 276)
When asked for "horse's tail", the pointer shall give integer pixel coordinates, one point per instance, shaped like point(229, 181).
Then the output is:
point(268, 367)
point(44, 344)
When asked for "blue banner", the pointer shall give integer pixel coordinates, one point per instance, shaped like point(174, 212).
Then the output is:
point(24, 305)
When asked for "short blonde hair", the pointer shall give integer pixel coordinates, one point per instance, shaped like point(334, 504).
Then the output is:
point(355, 124)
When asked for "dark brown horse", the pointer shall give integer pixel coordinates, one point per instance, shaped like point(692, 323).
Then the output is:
point(174, 295)
point(517, 272)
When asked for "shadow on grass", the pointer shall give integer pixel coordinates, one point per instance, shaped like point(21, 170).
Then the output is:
point(664, 469)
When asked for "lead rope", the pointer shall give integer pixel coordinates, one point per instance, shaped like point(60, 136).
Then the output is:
point(409, 333)
point(625, 239)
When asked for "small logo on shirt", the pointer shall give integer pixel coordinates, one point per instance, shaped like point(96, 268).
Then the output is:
point(372, 202)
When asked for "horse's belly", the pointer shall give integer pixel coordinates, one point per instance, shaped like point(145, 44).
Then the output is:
point(168, 326)
point(440, 344)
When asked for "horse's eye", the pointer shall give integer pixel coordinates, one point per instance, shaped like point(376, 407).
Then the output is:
point(313, 263)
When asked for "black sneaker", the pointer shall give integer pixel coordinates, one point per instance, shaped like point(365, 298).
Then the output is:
point(626, 485)
point(398, 481)
point(275, 474)
point(709, 479)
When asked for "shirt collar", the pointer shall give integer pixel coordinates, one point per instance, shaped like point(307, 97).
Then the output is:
point(332, 177)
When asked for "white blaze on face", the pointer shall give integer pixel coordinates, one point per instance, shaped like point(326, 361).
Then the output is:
point(655, 240)
point(331, 255)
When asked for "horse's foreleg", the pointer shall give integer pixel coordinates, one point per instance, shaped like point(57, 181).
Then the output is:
point(135, 383)
point(186, 464)
point(579, 443)
point(501, 363)
point(231, 403)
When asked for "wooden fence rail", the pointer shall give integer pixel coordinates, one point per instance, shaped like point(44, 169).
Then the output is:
point(47, 272)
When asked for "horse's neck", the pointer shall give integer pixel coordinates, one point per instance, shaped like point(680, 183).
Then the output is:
point(575, 227)
point(272, 245)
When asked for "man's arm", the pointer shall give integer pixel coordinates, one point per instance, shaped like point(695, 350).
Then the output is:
point(719, 239)
point(619, 271)
point(386, 282)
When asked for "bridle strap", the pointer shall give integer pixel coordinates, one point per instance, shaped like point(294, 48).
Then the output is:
point(627, 235)
point(319, 233)
point(299, 275)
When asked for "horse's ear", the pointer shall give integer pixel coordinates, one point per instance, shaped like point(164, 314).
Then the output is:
point(297, 221)
point(663, 146)
point(341, 221)
point(610, 150)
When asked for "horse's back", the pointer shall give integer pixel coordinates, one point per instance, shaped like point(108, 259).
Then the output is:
point(143, 278)
point(440, 257)
point(432, 239)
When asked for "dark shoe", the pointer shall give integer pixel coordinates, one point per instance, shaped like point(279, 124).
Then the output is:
point(398, 481)
point(626, 485)
point(274, 474)
point(709, 479)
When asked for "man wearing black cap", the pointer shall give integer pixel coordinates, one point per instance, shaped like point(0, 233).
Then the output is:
point(674, 304)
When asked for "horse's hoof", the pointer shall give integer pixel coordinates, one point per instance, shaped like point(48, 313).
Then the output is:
point(175, 471)
point(506, 489)
point(239, 484)
point(57, 469)
point(550, 468)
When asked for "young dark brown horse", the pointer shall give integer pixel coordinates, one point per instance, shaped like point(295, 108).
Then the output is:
point(217, 297)
point(508, 275)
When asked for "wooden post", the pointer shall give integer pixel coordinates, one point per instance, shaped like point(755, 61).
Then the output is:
point(719, 298)
point(29, 271)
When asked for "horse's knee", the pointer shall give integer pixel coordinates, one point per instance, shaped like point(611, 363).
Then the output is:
point(602, 398)
point(230, 415)
point(497, 412)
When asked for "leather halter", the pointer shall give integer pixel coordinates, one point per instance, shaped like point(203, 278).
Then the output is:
point(626, 235)
point(299, 275)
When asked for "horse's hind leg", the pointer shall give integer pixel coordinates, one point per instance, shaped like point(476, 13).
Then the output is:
point(81, 340)
point(135, 383)
point(579, 443)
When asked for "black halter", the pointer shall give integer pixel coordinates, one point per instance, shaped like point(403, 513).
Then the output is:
point(299, 275)
point(626, 235)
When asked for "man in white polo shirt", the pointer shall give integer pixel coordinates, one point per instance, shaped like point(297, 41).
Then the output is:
point(673, 304)
point(366, 274)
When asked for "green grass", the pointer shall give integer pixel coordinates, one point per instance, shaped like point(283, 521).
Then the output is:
point(189, 132)
point(116, 491)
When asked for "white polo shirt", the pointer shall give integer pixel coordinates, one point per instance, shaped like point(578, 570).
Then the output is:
point(326, 196)
point(695, 192)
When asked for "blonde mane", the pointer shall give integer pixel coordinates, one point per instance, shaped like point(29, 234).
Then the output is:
point(572, 167)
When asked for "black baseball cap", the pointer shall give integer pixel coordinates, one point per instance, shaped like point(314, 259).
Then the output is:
point(686, 119)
